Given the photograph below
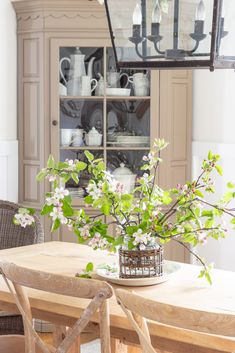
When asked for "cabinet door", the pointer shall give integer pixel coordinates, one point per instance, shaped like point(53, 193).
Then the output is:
point(176, 128)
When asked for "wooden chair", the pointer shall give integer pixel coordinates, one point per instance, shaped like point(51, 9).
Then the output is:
point(97, 291)
point(12, 236)
point(211, 332)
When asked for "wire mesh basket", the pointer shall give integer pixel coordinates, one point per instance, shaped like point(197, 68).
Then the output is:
point(141, 263)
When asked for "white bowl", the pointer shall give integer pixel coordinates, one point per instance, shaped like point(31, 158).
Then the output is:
point(124, 92)
point(133, 139)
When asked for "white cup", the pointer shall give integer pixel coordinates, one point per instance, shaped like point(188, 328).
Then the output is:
point(65, 136)
point(87, 84)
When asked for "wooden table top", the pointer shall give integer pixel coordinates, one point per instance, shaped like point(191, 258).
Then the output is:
point(183, 289)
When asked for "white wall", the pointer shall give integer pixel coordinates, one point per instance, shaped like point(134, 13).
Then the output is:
point(214, 128)
point(7, 71)
point(8, 86)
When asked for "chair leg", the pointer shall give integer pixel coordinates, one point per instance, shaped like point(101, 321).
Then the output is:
point(105, 328)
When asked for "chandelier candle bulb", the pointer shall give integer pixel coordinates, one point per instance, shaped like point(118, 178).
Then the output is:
point(137, 15)
point(157, 14)
point(201, 11)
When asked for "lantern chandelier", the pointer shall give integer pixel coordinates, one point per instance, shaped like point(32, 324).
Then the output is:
point(171, 33)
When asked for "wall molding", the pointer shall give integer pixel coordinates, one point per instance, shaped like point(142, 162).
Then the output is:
point(9, 170)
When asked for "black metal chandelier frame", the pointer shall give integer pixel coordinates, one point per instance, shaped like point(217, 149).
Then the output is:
point(175, 57)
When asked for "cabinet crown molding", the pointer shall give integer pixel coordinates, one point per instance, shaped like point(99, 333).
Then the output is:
point(73, 15)
point(22, 6)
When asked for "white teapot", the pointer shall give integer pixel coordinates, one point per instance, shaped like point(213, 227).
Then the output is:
point(93, 138)
point(125, 176)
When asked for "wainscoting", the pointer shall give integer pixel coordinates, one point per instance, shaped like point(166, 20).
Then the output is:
point(9, 170)
point(219, 252)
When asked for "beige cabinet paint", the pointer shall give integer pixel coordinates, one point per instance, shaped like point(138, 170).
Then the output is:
point(43, 27)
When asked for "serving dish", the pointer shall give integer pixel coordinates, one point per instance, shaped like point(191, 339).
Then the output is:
point(124, 92)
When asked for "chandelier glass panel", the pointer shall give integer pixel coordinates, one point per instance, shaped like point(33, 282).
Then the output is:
point(172, 33)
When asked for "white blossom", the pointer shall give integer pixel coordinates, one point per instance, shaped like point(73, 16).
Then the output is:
point(60, 193)
point(57, 213)
point(94, 191)
point(141, 238)
point(97, 242)
point(24, 219)
point(84, 231)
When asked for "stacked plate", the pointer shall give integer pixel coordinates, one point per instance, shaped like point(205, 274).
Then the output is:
point(132, 141)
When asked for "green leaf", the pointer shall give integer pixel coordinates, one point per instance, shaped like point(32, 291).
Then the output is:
point(126, 197)
point(62, 165)
point(83, 275)
point(105, 208)
point(210, 155)
point(208, 278)
point(89, 267)
point(166, 199)
point(67, 209)
point(199, 193)
point(207, 213)
point(46, 209)
point(41, 175)
point(55, 225)
point(145, 167)
point(88, 200)
point(31, 211)
point(230, 185)
point(89, 156)
point(118, 241)
point(51, 162)
point(75, 177)
point(80, 166)
point(219, 169)
point(209, 223)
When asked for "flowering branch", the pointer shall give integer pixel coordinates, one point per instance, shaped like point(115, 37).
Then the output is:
point(144, 217)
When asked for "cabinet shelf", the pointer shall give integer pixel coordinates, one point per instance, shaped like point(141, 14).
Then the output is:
point(83, 148)
point(128, 148)
point(116, 148)
point(100, 98)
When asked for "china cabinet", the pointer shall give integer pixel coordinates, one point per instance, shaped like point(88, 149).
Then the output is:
point(71, 98)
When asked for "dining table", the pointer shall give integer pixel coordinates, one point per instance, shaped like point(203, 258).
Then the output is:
point(183, 289)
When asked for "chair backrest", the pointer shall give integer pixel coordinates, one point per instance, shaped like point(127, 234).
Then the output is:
point(12, 235)
point(98, 291)
point(211, 326)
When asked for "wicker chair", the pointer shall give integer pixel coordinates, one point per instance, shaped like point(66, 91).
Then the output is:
point(12, 236)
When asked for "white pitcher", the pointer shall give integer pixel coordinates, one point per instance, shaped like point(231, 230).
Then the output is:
point(77, 65)
point(140, 82)
point(114, 77)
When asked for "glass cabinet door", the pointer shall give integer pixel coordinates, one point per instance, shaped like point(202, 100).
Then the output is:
point(101, 110)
